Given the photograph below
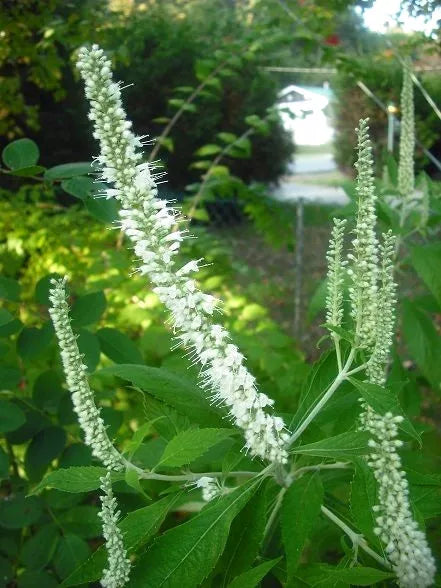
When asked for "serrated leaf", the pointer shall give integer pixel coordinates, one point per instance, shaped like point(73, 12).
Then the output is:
point(175, 390)
point(186, 554)
point(191, 444)
point(363, 498)
point(21, 153)
point(75, 479)
point(118, 347)
point(253, 577)
point(426, 260)
point(88, 309)
point(68, 170)
point(137, 528)
point(383, 400)
point(344, 446)
point(323, 574)
point(300, 510)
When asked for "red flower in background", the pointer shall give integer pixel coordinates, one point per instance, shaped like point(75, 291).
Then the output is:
point(333, 40)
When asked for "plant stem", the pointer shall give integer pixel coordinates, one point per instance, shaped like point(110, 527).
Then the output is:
point(341, 377)
point(273, 514)
point(357, 540)
point(338, 465)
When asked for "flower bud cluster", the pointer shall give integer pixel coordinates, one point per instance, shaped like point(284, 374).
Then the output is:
point(364, 257)
point(385, 322)
point(336, 274)
point(210, 488)
point(89, 418)
point(406, 173)
point(405, 545)
point(150, 224)
point(117, 573)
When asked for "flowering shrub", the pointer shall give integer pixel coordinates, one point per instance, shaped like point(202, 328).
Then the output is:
point(266, 487)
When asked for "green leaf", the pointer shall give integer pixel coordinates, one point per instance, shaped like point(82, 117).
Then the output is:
point(175, 390)
point(167, 142)
point(80, 187)
point(209, 149)
point(11, 328)
point(186, 554)
point(76, 479)
point(317, 302)
point(71, 552)
point(104, 210)
point(20, 153)
point(42, 288)
point(26, 172)
point(48, 391)
point(426, 260)
point(88, 309)
point(300, 510)
point(363, 498)
point(68, 170)
point(5, 317)
point(191, 444)
point(343, 446)
point(323, 575)
point(383, 400)
point(9, 377)
point(81, 520)
point(19, 511)
point(253, 577)
point(89, 346)
point(118, 347)
point(227, 137)
point(32, 341)
point(9, 289)
point(33, 579)
point(137, 528)
point(246, 535)
point(4, 464)
point(423, 342)
point(44, 447)
point(11, 416)
point(39, 549)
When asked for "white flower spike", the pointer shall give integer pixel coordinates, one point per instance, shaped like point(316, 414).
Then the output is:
point(336, 274)
point(117, 573)
point(149, 223)
point(95, 435)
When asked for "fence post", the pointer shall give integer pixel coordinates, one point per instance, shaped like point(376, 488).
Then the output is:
point(298, 268)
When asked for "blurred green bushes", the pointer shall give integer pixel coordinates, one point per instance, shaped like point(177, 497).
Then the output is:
point(382, 74)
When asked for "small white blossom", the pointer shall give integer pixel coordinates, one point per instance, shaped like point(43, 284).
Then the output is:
point(117, 572)
point(385, 321)
point(406, 545)
point(406, 174)
point(363, 261)
point(210, 488)
point(89, 418)
point(336, 273)
point(150, 224)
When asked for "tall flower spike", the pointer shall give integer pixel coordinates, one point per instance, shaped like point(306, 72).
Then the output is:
point(149, 223)
point(117, 573)
point(406, 545)
point(377, 364)
point(95, 435)
point(336, 274)
point(406, 174)
point(364, 258)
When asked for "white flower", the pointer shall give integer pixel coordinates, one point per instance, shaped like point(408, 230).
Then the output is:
point(336, 272)
point(363, 271)
point(385, 321)
point(406, 545)
point(95, 435)
point(117, 572)
point(210, 488)
point(150, 224)
point(406, 174)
